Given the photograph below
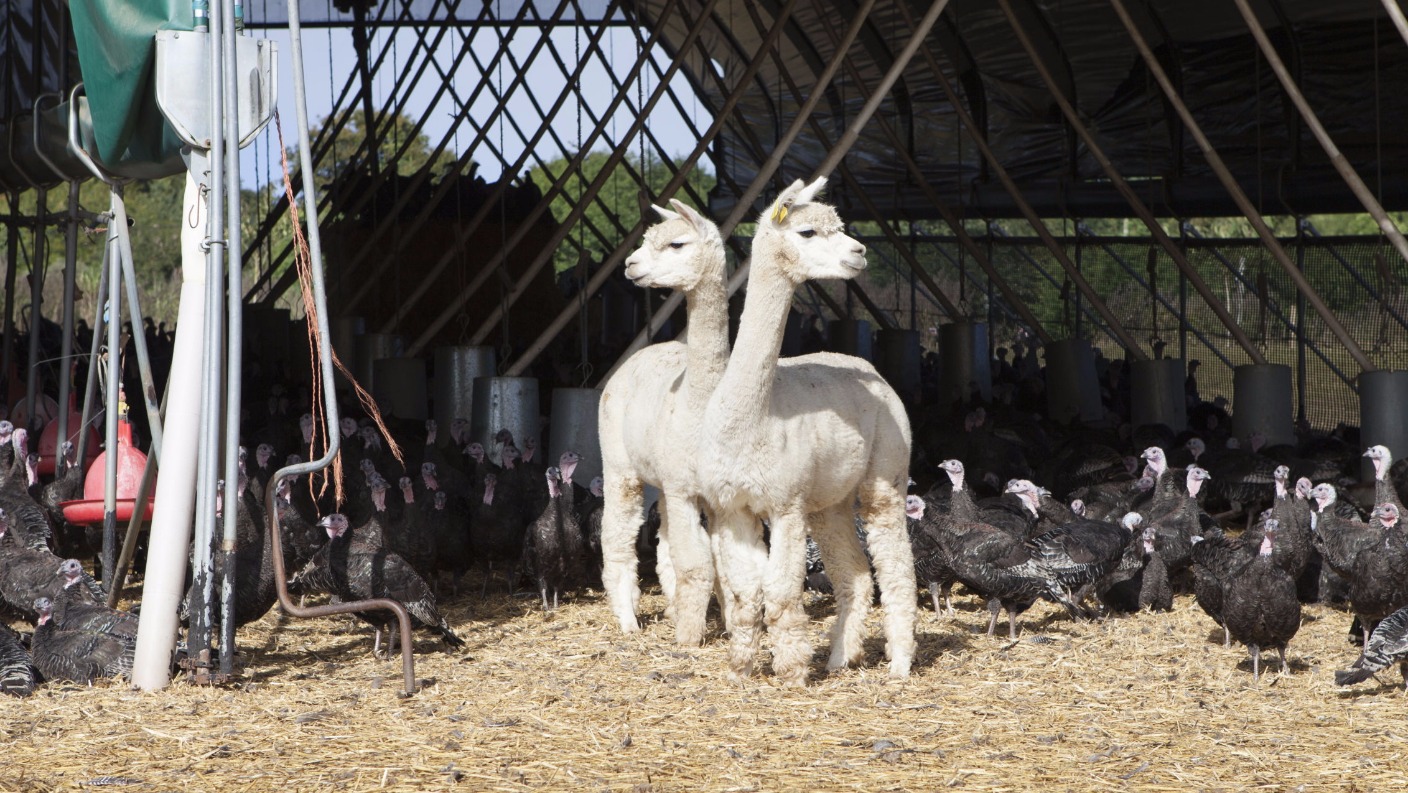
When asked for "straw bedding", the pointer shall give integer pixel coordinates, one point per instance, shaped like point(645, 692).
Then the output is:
point(566, 702)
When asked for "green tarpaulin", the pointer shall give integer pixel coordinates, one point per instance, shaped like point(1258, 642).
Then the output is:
point(117, 53)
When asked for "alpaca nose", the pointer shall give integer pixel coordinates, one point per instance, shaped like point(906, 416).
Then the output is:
point(860, 249)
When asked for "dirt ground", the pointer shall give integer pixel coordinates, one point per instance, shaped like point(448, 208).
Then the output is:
point(566, 702)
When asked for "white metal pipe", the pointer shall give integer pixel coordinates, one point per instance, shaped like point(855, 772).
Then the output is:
point(114, 384)
point(235, 340)
point(175, 489)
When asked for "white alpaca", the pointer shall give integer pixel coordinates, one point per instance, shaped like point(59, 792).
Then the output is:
point(649, 424)
point(797, 442)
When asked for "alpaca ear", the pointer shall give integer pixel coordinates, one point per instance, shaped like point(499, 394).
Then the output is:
point(811, 191)
point(689, 213)
point(664, 213)
point(784, 202)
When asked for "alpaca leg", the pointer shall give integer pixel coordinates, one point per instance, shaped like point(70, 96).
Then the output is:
point(882, 510)
point(743, 555)
point(665, 559)
point(721, 589)
point(620, 523)
point(693, 569)
point(849, 571)
point(782, 598)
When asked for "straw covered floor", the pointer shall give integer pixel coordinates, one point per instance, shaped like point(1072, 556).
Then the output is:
point(566, 702)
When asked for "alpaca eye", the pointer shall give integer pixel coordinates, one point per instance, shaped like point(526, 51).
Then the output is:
point(677, 245)
point(807, 233)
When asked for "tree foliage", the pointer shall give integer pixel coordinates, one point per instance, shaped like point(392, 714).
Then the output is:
point(616, 208)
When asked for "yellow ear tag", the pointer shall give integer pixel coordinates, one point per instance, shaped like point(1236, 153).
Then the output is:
point(780, 214)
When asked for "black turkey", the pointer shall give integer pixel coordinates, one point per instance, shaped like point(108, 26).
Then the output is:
point(1384, 490)
point(1387, 645)
point(77, 655)
point(1378, 575)
point(28, 521)
point(555, 542)
point(1216, 561)
point(1155, 591)
point(931, 564)
point(353, 569)
point(75, 608)
point(16, 666)
point(1259, 605)
point(496, 530)
point(1078, 554)
point(28, 573)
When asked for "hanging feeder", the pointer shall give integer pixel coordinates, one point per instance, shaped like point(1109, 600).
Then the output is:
point(130, 464)
point(49, 440)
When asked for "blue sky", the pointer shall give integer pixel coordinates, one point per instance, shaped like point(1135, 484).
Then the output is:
point(329, 58)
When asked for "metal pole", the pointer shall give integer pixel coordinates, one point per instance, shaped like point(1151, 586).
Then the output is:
point(526, 224)
point(212, 346)
point(90, 384)
point(36, 301)
point(1396, 14)
point(1301, 374)
point(327, 136)
point(1346, 171)
point(234, 350)
point(1303, 224)
point(1273, 307)
point(114, 411)
point(119, 234)
point(134, 524)
point(1122, 187)
point(859, 192)
point(334, 437)
point(66, 347)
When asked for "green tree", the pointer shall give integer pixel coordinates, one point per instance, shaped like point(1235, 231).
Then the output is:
point(617, 206)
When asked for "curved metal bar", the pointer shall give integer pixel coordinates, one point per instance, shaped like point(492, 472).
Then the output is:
point(76, 146)
point(315, 247)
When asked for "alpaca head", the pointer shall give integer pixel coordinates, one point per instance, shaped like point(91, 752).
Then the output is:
point(679, 252)
point(805, 239)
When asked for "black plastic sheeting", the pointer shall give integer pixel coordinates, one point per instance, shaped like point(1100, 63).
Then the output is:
point(1346, 56)
point(33, 40)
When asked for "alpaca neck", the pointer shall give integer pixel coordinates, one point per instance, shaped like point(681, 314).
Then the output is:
point(752, 368)
point(706, 338)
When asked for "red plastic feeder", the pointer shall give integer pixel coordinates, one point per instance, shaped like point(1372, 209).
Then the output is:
point(49, 441)
point(130, 464)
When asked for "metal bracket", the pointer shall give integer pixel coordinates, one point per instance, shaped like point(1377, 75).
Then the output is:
point(182, 84)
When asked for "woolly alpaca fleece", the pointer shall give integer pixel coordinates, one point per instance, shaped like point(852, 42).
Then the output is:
point(799, 450)
point(649, 425)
